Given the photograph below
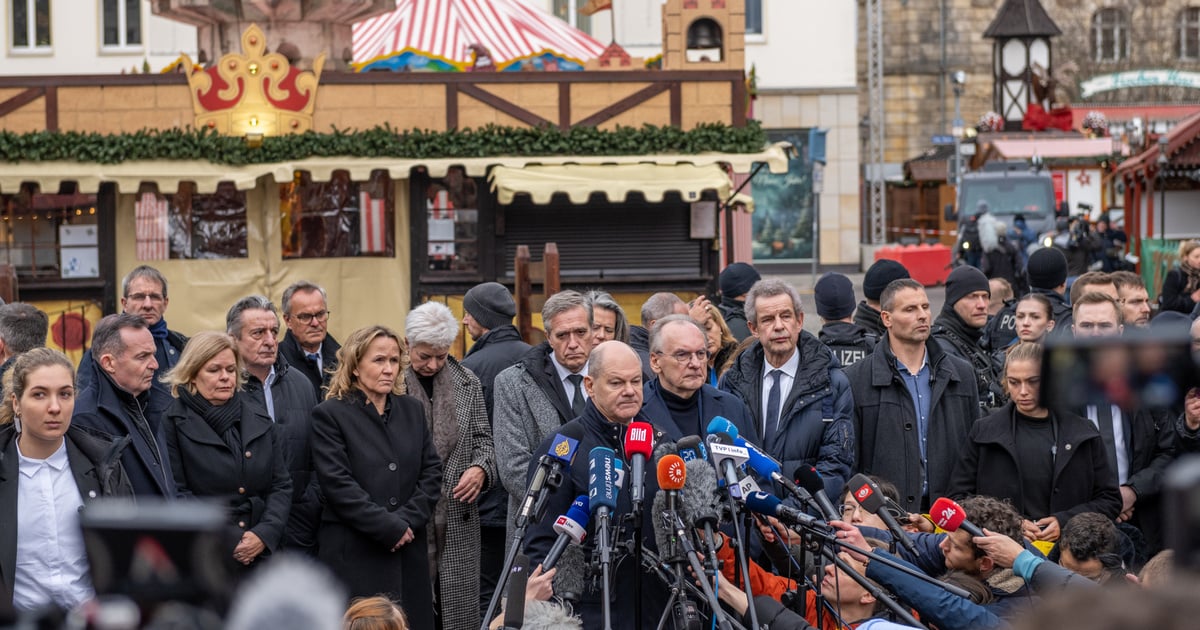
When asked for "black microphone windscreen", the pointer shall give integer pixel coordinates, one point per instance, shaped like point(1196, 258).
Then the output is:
point(664, 532)
point(662, 449)
point(514, 605)
point(808, 478)
point(867, 493)
point(700, 502)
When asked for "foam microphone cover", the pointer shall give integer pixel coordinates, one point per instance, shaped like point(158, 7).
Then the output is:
point(664, 531)
point(672, 473)
point(865, 493)
point(951, 517)
point(808, 478)
point(639, 439)
point(719, 424)
point(701, 501)
point(570, 581)
point(291, 592)
point(692, 447)
point(664, 448)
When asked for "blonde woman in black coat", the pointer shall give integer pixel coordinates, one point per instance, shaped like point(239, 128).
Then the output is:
point(379, 474)
point(42, 559)
point(224, 446)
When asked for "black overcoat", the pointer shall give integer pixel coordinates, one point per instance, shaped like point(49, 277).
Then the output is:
point(257, 473)
point(379, 476)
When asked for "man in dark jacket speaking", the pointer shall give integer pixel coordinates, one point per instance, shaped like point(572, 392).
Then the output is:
point(913, 403)
point(798, 396)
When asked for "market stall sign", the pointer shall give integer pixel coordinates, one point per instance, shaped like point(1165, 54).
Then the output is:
point(1138, 78)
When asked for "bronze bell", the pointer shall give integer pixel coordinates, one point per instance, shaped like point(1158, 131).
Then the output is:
point(703, 34)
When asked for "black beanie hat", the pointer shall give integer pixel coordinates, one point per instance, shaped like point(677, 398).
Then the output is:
point(1047, 268)
point(964, 281)
point(736, 279)
point(834, 295)
point(881, 274)
point(490, 304)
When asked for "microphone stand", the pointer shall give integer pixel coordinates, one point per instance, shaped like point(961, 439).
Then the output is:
point(553, 479)
point(740, 547)
point(653, 563)
point(637, 557)
point(690, 551)
point(605, 550)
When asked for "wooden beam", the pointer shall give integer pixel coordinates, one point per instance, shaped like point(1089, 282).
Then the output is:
point(739, 95)
point(625, 104)
point(564, 106)
point(676, 104)
point(21, 99)
point(451, 106)
point(508, 107)
point(52, 108)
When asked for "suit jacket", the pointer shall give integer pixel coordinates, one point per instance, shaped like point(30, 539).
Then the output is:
point(294, 355)
point(255, 476)
point(96, 465)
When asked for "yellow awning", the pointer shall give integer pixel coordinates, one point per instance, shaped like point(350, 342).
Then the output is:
point(168, 173)
point(616, 181)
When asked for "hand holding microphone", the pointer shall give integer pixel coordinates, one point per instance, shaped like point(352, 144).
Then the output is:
point(871, 498)
point(808, 478)
point(951, 517)
point(571, 528)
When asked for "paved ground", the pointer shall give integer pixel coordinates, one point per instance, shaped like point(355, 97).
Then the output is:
point(812, 323)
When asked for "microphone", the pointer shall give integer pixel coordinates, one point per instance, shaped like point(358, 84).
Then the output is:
point(290, 591)
point(692, 447)
point(639, 443)
point(602, 497)
point(571, 528)
point(550, 466)
point(699, 505)
point(514, 608)
point(770, 505)
point(727, 456)
point(766, 467)
point(951, 517)
point(808, 478)
point(571, 578)
point(719, 424)
point(871, 498)
point(672, 474)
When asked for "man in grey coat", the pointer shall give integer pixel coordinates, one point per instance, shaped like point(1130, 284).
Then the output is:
point(542, 392)
point(914, 404)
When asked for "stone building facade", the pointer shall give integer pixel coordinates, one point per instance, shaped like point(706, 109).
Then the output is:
point(1100, 37)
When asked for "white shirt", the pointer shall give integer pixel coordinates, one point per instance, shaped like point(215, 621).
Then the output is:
point(51, 565)
point(1118, 429)
point(563, 373)
point(786, 380)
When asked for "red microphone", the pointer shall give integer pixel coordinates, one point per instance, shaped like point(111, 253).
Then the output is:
point(639, 444)
point(951, 517)
point(672, 473)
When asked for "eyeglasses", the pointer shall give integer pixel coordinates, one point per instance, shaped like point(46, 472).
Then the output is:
point(142, 297)
point(307, 318)
point(682, 357)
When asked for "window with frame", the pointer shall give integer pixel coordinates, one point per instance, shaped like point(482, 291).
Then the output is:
point(452, 222)
point(30, 20)
point(754, 17)
point(1110, 35)
point(49, 235)
point(121, 23)
point(190, 225)
point(1189, 34)
point(568, 11)
point(337, 218)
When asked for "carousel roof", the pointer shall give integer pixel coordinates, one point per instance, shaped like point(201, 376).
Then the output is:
point(446, 29)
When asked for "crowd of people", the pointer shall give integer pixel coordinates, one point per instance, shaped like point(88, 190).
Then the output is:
point(416, 478)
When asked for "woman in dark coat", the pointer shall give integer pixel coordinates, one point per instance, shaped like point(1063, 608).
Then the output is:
point(1181, 287)
point(36, 436)
point(379, 474)
point(1050, 465)
point(452, 400)
point(223, 445)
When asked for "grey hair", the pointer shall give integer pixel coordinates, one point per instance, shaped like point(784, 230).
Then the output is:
point(431, 323)
point(604, 300)
point(143, 271)
point(303, 286)
point(656, 333)
point(233, 319)
point(658, 306)
point(23, 327)
point(562, 302)
point(552, 615)
point(107, 337)
point(768, 288)
point(887, 299)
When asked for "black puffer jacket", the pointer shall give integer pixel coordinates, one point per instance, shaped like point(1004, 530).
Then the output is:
point(867, 318)
point(850, 343)
point(734, 312)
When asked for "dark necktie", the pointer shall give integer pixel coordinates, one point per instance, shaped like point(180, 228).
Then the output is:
point(771, 421)
point(577, 395)
point(314, 357)
point(1104, 422)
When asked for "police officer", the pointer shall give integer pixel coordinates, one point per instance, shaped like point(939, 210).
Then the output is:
point(959, 327)
point(835, 299)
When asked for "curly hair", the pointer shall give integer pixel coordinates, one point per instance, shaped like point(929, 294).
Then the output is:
point(995, 514)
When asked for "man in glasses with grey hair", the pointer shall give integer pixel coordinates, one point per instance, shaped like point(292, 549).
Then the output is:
point(308, 346)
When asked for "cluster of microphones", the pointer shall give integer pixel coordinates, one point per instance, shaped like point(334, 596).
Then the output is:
point(705, 485)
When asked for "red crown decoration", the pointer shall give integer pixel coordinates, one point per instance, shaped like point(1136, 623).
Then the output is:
point(254, 92)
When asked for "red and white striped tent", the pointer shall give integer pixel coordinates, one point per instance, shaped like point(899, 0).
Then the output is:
point(509, 29)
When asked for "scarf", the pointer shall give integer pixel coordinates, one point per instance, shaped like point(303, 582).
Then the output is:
point(443, 427)
point(1192, 277)
point(159, 330)
point(223, 419)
